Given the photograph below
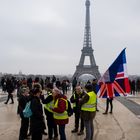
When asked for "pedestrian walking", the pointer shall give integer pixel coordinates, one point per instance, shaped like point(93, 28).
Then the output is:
point(9, 89)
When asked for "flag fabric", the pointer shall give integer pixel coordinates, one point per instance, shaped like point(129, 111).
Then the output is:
point(115, 80)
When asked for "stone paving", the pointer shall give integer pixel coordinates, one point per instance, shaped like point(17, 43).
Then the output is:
point(131, 104)
point(121, 125)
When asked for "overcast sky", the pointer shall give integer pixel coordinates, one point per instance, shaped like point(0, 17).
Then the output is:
point(46, 36)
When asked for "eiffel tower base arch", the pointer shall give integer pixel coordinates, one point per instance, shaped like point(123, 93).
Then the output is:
point(80, 70)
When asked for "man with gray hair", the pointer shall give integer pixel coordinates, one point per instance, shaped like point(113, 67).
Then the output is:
point(75, 98)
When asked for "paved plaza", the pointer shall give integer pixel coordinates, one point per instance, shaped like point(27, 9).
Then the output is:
point(123, 124)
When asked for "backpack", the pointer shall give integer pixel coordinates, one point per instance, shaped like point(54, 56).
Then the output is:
point(27, 113)
point(69, 110)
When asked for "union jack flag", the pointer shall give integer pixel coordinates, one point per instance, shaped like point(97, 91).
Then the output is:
point(115, 81)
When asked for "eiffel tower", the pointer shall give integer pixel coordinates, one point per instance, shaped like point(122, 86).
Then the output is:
point(87, 51)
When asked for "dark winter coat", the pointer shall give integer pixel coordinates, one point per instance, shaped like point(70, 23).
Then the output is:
point(75, 99)
point(37, 119)
point(21, 104)
point(9, 86)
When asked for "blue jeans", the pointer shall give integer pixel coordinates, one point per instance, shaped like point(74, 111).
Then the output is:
point(62, 132)
point(89, 129)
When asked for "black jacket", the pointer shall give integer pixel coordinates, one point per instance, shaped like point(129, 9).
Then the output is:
point(21, 104)
point(47, 100)
point(75, 99)
point(37, 119)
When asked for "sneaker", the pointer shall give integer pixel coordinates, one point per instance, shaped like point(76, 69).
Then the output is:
point(74, 131)
point(110, 112)
point(5, 102)
point(80, 133)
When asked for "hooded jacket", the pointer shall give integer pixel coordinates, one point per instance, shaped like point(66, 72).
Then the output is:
point(60, 108)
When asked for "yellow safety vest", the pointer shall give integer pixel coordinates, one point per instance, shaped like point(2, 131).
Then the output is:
point(60, 116)
point(74, 104)
point(49, 105)
point(90, 105)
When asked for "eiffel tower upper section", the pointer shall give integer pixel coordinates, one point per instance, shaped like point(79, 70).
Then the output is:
point(87, 50)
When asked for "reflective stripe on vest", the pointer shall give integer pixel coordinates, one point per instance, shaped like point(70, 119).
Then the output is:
point(90, 105)
point(60, 116)
point(49, 105)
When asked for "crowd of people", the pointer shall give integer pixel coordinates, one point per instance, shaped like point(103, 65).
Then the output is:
point(48, 100)
point(55, 109)
point(135, 86)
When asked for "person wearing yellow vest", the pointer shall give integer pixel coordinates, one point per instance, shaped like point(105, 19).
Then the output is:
point(76, 96)
point(88, 111)
point(60, 113)
point(48, 103)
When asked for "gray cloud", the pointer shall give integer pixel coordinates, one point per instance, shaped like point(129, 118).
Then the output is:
point(46, 37)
